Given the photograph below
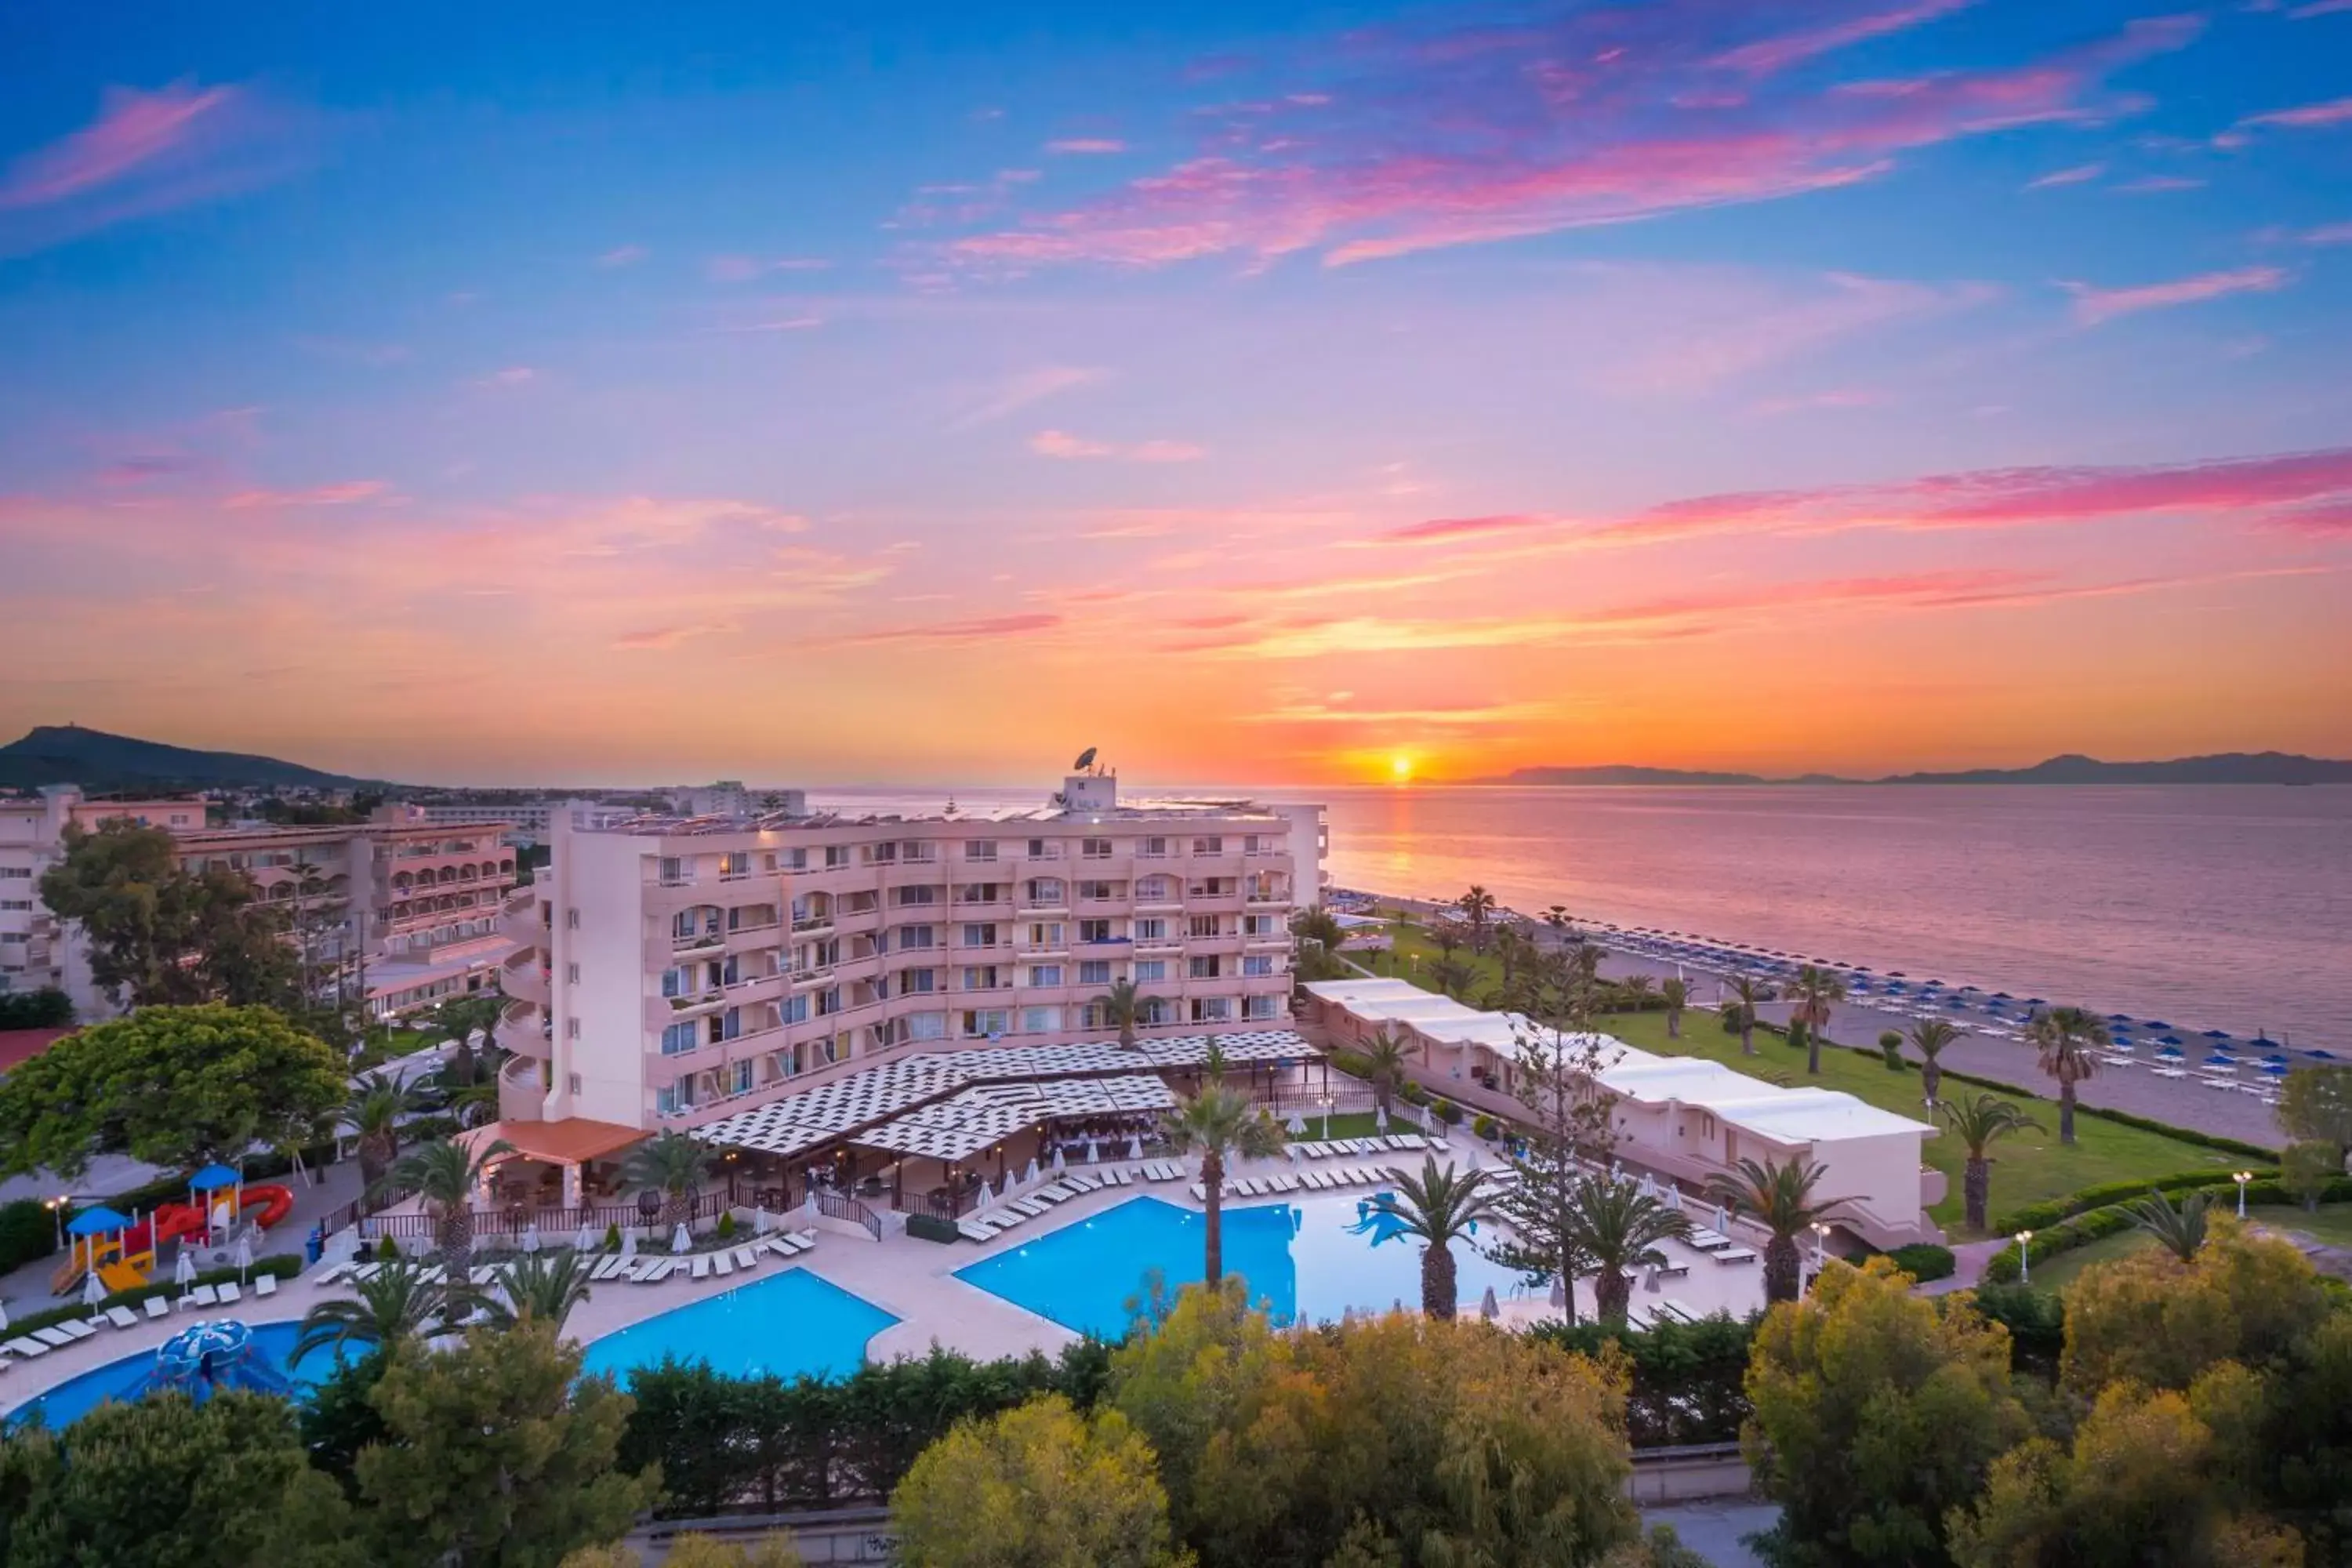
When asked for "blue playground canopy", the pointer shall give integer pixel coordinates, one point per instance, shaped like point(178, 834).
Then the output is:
point(212, 1178)
point(98, 1221)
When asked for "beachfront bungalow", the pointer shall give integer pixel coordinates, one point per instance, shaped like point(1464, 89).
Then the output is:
point(1680, 1117)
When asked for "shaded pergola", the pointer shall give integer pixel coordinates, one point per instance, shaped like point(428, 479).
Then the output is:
point(569, 1145)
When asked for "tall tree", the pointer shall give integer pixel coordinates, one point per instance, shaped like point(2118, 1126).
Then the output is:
point(674, 1164)
point(2316, 1107)
point(1440, 1208)
point(1385, 1056)
point(1930, 1037)
point(464, 1017)
point(496, 1455)
point(2066, 1039)
point(1319, 926)
point(541, 1287)
point(1123, 1007)
point(1743, 992)
point(1675, 991)
point(371, 1114)
point(158, 934)
point(445, 1175)
point(1477, 909)
point(1566, 1126)
point(1780, 1196)
point(170, 1086)
point(1979, 1123)
point(394, 1303)
point(1619, 1229)
point(1219, 1124)
point(1039, 1484)
point(1814, 991)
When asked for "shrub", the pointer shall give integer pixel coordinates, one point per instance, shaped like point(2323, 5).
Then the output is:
point(387, 1249)
point(725, 1227)
point(1446, 1110)
point(1688, 1378)
point(2309, 1169)
point(48, 1008)
point(1727, 1015)
point(27, 1231)
point(2036, 1321)
point(1893, 1055)
point(282, 1265)
point(1888, 1040)
point(2125, 1119)
point(1482, 1125)
point(2090, 1226)
point(1353, 1063)
point(2050, 1210)
point(1414, 1094)
point(612, 1238)
point(1924, 1261)
point(932, 1227)
point(1796, 1034)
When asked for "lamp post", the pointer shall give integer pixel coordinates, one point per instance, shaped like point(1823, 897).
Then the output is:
point(2023, 1260)
point(2241, 1178)
point(57, 1213)
point(1820, 1245)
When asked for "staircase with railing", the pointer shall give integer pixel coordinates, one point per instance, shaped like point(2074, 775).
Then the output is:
point(841, 1205)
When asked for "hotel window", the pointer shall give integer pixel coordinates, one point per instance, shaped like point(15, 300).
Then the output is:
point(1045, 934)
point(1040, 1020)
point(1150, 971)
point(1260, 925)
point(797, 860)
point(21, 873)
point(734, 864)
point(571, 920)
point(979, 892)
point(1201, 925)
point(1045, 974)
point(1153, 848)
point(914, 937)
point(1095, 972)
point(981, 977)
point(571, 1028)
point(836, 856)
point(1094, 931)
point(916, 850)
point(979, 935)
point(1212, 1009)
point(1206, 968)
point(679, 1038)
point(828, 1001)
point(1253, 843)
point(673, 871)
point(1152, 929)
point(1208, 846)
point(980, 849)
point(915, 896)
point(793, 1009)
point(1098, 891)
point(917, 982)
point(677, 982)
point(1043, 849)
point(1095, 848)
point(1152, 889)
point(1046, 890)
point(926, 1027)
point(742, 1073)
point(981, 1022)
point(1259, 1006)
point(881, 854)
point(1257, 965)
point(1154, 1011)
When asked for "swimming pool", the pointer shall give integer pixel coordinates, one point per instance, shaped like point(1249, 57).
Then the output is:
point(789, 1324)
point(1308, 1261)
point(125, 1378)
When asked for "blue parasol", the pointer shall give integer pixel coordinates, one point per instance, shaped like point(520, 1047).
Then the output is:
point(2276, 1069)
point(212, 1178)
point(2321, 1055)
point(98, 1221)
point(2217, 1033)
point(2119, 1017)
point(2170, 1052)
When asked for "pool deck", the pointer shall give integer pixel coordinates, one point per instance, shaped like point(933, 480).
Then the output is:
point(913, 1280)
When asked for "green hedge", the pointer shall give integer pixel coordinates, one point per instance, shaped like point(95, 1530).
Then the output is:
point(27, 1231)
point(932, 1227)
point(1924, 1261)
point(2087, 1228)
point(1355, 1064)
point(2050, 1210)
point(1689, 1379)
point(279, 1264)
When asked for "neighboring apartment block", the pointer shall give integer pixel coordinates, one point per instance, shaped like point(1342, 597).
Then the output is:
point(403, 910)
point(677, 970)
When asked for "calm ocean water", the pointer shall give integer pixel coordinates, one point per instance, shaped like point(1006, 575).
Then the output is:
point(2209, 908)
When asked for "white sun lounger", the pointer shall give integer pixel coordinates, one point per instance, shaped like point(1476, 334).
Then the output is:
point(55, 1336)
point(746, 1258)
point(158, 1307)
point(332, 1273)
point(230, 1292)
point(722, 1265)
point(1708, 1239)
point(121, 1317)
point(202, 1295)
point(26, 1346)
point(972, 1230)
point(1031, 1205)
point(606, 1266)
point(1200, 1192)
point(1671, 1308)
point(1735, 1255)
point(266, 1285)
point(701, 1266)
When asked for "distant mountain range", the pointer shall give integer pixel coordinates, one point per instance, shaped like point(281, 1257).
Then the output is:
point(67, 754)
point(2224, 768)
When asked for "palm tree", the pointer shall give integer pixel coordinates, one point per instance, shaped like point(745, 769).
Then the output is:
point(1453, 976)
point(393, 1304)
point(2065, 1037)
point(1219, 1124)
point(1512, 947)
point(1813, 991)
point(373, 1112)
point(445, 1175)
point(462, 1015)
point(1635, 991)
point(1619, 1229)
point(1320, 926)
point(674, 1164)
point(1675, 991)
point(1746, 992)
point(1930, 1036)
point(1440, 1207)
point(2179, 1231)
point(542, 1287)
point(1780, 1196)
point(1385, 1056)
point(1123, 1007)
point(1980, 1123)
point(1477, 904)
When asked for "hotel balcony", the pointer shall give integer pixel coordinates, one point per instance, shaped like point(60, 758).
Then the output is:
point(523, 1030)
point(525, 981)
point(661, 1011)
point(522, 1090)
point(750, 938)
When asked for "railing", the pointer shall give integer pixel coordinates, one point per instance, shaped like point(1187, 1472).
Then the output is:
point(554, 1224)
point(841, 1205)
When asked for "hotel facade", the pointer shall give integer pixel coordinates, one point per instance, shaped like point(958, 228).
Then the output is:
point(674, 971)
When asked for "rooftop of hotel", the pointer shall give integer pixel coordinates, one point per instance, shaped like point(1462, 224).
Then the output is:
point(661, 825)
point(1785, 1115)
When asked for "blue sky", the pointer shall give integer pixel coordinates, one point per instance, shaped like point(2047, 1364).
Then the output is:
point(1360, 367)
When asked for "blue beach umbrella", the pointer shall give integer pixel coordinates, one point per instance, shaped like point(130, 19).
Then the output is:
point(2276, 1069)
point(2169, 1040)
point(2119, 1017)
point(2002, 996)
point(2217, 1033)
point(2321, 1056)
point(2158, 1023)
point(2170, 1053)
point(2218, 1059)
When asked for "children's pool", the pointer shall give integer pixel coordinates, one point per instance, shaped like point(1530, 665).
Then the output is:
point(790, 1325)
point(1308, 1261)
point(126, 1378)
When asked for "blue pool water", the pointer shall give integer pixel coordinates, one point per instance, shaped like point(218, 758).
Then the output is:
point(788, 1324)
point(70, 1401)
point(1308, 1261)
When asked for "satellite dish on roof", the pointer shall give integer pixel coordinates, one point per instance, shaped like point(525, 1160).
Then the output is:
point(1086, 760)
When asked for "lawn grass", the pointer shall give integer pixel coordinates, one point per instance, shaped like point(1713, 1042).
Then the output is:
point(2332, 1224)
point(2027, 1167)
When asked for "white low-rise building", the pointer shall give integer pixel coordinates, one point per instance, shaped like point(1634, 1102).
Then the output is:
point(1684, 1117)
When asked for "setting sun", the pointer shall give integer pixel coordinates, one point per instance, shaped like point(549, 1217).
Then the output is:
point(1401, 767)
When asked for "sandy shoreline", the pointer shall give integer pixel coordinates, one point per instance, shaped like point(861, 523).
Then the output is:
point(2184, 1102)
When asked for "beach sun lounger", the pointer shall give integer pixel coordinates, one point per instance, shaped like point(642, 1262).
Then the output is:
point(266, 1286)
point(121, 1317)
point(25, 1346)
point(722, 1265)
point(701, 1267)
point(158, 1307)
point(1735, 1255)
point(230, 1292)
point(606, 1266)
point(202, 1295)
point(746, 1258)
point(53, 1336)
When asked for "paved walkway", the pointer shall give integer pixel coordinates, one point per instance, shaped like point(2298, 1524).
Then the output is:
point(1713, 1530)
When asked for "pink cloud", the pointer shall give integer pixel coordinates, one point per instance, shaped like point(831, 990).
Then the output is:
point(1488, 136)
point(1063, 445)
point(621, 256)
point(1791, 48)
point(2159, 184)
point(344, 494)
point(2076, 175)
point(1085, 144)
point(659, 638)
point(2094, 305)
point(2328, 520)
point(979, 630)
point(133, 129)
point(512, 375)
point(2307, 117)
point(2328, 234)
point(1442, 527)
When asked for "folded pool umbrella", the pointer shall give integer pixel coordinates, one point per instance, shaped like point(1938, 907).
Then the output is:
point(681, 1240)
point(1489, 1307)
point(983, 1197)
point(1030, 1174)
point(244, 1258)
point(4, 1317)
point(531, 1238)
point(1094, 1152)
point(1722, 1220)
point(585, 1238)
point(93, 1288)
point(1135, 1147)
point(629, 1241)
point(1297, 1125)
point(184, 1271)
point(1059, 1167)
point(1558, 1292)
point(1380, 1117)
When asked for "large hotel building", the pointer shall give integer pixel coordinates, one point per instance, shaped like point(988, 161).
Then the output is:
point(673, 971)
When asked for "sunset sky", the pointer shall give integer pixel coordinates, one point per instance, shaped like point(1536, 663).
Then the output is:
point(1261, 392)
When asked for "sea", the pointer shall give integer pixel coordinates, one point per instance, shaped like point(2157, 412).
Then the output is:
point(2208, 906)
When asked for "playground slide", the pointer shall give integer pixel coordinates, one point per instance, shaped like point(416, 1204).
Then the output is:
point(267, 1204)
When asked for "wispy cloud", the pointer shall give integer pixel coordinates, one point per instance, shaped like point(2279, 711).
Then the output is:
point(1337, 712)
point(659, 638)
point(2158, 184)
point(621, 256)
point(1017, 391)
point(2307, 117)
point(345, 494)
point(1082, 145)
point(2078, 174)
point(1440, 529)
point(1600, 115)
point(984, 629)
point(1061, 444)
point(512, 375)
point(132, 131)
point(2094, 305)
